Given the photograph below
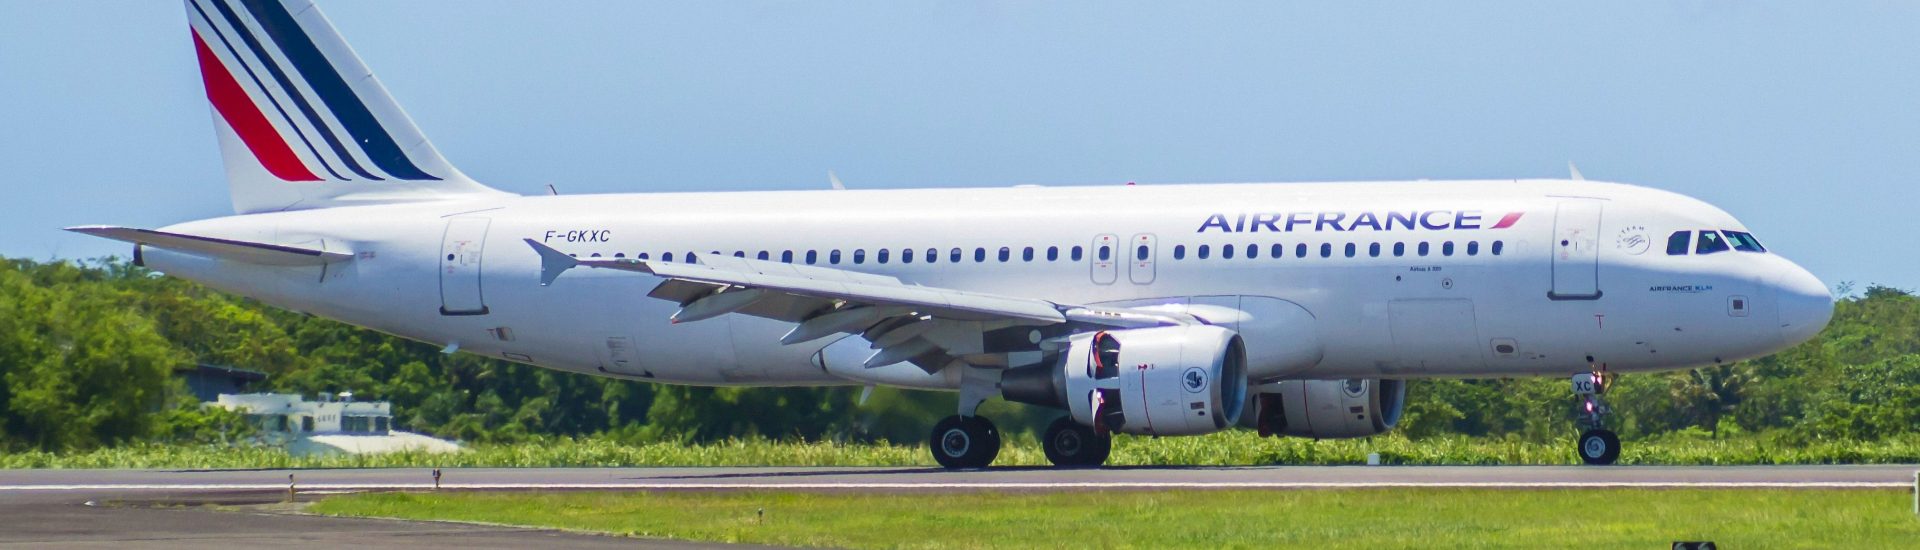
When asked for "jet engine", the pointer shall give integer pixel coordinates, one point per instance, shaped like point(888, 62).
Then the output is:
point(1179, 380)
point(1326, 409)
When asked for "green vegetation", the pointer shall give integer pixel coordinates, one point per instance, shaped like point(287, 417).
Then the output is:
point(1384, 518)
point(1236, 448)
point(86, 350)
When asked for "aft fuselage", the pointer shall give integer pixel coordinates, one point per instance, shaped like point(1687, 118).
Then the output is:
point(1395, 280)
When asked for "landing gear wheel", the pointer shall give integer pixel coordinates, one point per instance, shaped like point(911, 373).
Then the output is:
point(964, 442)
point(1599, 447)
point(1069, 444)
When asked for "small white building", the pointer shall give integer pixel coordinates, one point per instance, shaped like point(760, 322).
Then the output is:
point(328, 426)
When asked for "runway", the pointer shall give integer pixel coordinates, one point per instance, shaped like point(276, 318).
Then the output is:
point(166, 508)
point(932, 479)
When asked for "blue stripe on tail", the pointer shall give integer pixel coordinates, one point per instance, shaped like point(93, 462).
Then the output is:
point(263, 87)
point(334, 90)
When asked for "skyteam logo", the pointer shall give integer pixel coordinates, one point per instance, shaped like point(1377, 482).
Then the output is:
point(1195, 379)
point(1290, 222)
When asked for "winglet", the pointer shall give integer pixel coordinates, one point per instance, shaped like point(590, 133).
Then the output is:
point(552, 262)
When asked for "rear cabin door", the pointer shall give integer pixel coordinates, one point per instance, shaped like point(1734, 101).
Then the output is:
point(460, 255)
point(1105, 259)
point(1576, 250)
point(1140, 269)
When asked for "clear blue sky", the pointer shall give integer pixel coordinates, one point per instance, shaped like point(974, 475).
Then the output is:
point(1802, 119)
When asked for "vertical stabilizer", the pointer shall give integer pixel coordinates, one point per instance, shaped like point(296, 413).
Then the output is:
point(302, 122)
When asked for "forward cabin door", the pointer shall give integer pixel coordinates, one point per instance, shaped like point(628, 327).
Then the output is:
point(1105, 259)
point(1576, 250)
point(460, 255)
point(1140, 268)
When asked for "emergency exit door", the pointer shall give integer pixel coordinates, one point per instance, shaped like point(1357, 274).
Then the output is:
point(1105, 259)
point(1140, 253)
point(1576, 250)
point(460, 255)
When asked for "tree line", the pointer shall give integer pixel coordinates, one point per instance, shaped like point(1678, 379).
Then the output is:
point(88, 351)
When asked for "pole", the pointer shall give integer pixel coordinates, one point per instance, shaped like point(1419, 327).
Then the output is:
point(289, 487)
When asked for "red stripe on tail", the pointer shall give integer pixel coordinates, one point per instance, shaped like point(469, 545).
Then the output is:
point(247, 120)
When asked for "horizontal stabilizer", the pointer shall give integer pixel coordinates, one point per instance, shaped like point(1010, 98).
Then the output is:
point(220, 249)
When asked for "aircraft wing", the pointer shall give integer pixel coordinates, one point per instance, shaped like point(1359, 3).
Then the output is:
point(222, 249)
point(926, 325)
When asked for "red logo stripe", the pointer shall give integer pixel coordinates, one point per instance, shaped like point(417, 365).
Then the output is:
point(246, 119)
point(1508, 220)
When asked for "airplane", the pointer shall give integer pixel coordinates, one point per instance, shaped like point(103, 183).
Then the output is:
point(1295, 309)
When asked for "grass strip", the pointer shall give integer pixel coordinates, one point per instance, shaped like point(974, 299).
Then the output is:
point(1368, 518)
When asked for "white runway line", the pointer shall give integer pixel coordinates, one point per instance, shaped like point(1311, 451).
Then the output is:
point(983, 485)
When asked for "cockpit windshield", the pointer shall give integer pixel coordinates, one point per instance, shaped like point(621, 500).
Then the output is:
point(1708, 241)
point(1744, 242)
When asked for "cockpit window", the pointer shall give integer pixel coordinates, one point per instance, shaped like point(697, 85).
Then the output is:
point(1744, 242)
point(1711, 242)
point(1679, 242)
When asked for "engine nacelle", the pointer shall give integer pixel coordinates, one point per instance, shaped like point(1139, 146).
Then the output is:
point(1180, 380)
point(1326, 409)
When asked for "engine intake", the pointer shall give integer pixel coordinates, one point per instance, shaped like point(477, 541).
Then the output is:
point(1155, 381)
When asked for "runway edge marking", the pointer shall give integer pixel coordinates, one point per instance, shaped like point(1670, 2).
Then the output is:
point(984, 485)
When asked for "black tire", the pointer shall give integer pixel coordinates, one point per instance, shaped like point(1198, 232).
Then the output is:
point(964, 442)
point(1069, 444)
point(1598, 447)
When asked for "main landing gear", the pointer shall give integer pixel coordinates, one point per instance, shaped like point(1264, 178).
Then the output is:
point(964, 442)
point(1069, 444)
point(1597, 444)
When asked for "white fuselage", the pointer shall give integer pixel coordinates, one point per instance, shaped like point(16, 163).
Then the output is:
point(1582, 275)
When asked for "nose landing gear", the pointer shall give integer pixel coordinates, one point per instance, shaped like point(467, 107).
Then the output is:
point(1597, 444)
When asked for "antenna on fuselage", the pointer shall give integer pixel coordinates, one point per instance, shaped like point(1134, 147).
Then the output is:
point(834, 180)
point(1575, 170)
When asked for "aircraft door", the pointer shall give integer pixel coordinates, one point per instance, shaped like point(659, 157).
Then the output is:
point(1140, 268)
point(1104, 259)
point(460, 254)
point(1576, 250)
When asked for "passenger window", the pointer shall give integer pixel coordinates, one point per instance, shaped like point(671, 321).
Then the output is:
point(1076, 253)
point(1226, 251)
point(1053, 253)
point(1026, 254)
point(1710, 242)
point(933, 255)
point(833, 257)
point(813, 257)
point(880, 256)
point(1300, 250)
point(692, 259)
point(1744, 242)
point(764, 255)
point(1677, 243)
point(1005, 254)
point(1473, 248)
point(594, 255)
point(1399, 249)
point(860, 255)
point(1180, 252)
point(979, 255)
point(619, 254)
point(906, 255)
point(1140, 253)
point(1497, 245)
point(1446, 248)
point(786, 256)
point(1326, 250)
point(738, 253)
point(641, 255)
point(1277, 251)
point(1203, 252)
point(666, 256)
point(954, 256)
point(1373, 250)
point(1351, 248)
point(1422, 249)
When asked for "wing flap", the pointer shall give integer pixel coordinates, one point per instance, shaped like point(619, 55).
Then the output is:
point(217, 248)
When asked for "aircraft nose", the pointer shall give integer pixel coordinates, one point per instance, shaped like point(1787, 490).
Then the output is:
point(1805, 304)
